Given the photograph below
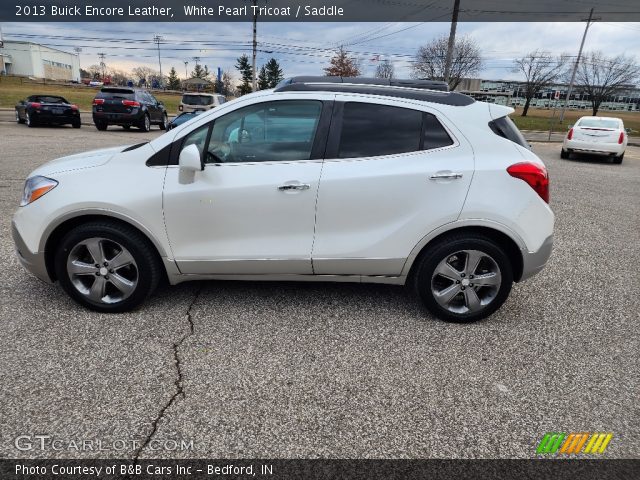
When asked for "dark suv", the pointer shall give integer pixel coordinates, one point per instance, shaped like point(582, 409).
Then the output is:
point(128, 107)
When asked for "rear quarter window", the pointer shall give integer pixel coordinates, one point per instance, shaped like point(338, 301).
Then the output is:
point(505, 128)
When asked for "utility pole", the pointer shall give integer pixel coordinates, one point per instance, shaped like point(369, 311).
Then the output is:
point(452, 40)
point(102, 64)
point(158, 39)
point(186, 62)
point(78, 50)
point(255, 44)
point(575, 66)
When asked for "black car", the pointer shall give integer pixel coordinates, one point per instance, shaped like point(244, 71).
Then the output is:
point(128, 107)
point(47, 109)
point(183, 117)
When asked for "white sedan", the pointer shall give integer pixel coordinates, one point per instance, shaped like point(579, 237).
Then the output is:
point(596, 135)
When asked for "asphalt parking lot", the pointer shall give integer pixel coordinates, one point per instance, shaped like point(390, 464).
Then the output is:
point(273, 370)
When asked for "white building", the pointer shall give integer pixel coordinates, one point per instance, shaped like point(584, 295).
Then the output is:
point(34, 60)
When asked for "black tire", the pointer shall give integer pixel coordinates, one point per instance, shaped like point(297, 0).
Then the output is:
point(618, 159)
point(145, 123)
point(18, 119)
point(76, 124)
point(30, 122)
point(564, 154)
point(101, 125)
point(165, 121)
point(147, 263)
point(446, 249)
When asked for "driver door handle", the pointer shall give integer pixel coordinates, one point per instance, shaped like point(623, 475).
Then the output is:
point(297, 186)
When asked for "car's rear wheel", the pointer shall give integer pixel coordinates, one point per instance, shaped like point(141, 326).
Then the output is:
point(145, 123)
point(463, 278)
point(101, 125)
point(165, 122)
point(107, 267)
point(30, 121)
point(618, 159)
point(76, 124)
point(564, 154)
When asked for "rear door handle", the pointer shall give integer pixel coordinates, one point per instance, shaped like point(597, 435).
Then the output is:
point(445, 176)
point(296, 186)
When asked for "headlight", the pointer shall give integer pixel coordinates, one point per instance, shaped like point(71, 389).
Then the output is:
point(35, 187)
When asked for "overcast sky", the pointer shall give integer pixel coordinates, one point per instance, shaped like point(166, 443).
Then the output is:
point(304, 48)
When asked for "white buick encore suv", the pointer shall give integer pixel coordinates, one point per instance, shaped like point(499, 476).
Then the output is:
point(321, 179)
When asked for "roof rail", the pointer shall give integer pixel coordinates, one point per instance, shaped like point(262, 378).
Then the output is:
point(422, 90)
point(388, 82)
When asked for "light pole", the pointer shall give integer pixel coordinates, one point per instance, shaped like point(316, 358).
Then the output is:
point(186, 62)
point(102, 64)
point(157, 39)
point(78, 50)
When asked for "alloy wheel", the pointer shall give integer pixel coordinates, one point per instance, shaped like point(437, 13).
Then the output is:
point(102, 270)
point(466, 281)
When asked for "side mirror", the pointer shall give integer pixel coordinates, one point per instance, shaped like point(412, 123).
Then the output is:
point(190, 159)
point(190, 162)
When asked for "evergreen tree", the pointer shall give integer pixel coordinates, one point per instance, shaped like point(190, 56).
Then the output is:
point(245, 69)
point(200, 72)
point(274, 73)
point(173, 82)
point(263, 83)
point(342, 65)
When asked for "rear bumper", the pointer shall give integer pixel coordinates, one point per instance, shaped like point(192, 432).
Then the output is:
point(533, 262)
point(594, 148)
point(33, 262)
point(118, 118)
point(47, 117)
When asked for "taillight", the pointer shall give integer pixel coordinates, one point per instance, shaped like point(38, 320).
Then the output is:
point(621, 138)
point(570, 134)
point(130, 103)
point(74, 107)
point(35, 104)
point(98, 101)
point(535, 175)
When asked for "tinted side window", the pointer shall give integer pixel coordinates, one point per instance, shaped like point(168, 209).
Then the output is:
point(370, 130)
point(433, 133)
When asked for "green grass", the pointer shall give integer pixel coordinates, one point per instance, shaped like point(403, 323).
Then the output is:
point(540, 119)
point(14, 89)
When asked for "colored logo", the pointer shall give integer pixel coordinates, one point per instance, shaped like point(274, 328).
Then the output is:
point(574, 443)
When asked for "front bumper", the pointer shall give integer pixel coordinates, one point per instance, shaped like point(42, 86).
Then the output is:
point(33, 262)
point(533, 262)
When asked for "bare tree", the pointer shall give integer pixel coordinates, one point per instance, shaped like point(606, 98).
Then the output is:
point(601, 77)
point(431, 59)
point(540, 69)
point(385, 69)
point(144, 74)
point(342, 65)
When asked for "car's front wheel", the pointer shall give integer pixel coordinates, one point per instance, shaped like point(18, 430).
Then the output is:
point(101, 125)
point(463, 278)
point(618, 158)
point(107, 266)
point(18, 119)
